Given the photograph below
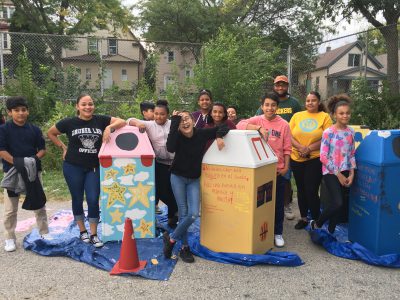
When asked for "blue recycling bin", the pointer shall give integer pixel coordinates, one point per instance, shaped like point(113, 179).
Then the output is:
point(374, 209)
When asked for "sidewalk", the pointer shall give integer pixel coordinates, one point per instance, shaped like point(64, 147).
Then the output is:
point(30, 276)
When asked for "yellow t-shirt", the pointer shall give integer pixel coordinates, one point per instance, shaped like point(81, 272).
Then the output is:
point(307, 128)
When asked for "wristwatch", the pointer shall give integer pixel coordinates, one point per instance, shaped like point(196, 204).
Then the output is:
point(112, 129)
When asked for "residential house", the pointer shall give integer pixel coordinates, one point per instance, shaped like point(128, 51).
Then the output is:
point(6, 12)
point(336, 69)
point(106, 59)
point(175, 64)
point(383, 60)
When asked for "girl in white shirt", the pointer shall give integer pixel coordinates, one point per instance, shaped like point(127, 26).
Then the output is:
point(158, 130)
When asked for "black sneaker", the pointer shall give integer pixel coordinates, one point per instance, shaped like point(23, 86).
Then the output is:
point(94, 239)
point(172, 222)
point(186, 255)
point(331, 227)
point(301, 224)
point(313, 225)
point(168, 246)
point(84, 236)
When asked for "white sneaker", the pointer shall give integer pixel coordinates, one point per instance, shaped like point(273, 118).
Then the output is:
point(47, 236)
point(95, 241)
point(279, 241)
point(288, 212)
point(10, 246)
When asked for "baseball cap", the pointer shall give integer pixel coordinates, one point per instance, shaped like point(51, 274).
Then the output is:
point(281, 78)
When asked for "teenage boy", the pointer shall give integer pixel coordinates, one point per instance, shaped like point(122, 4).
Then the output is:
point(19, 139)
point(147, 110)
point(288, 106)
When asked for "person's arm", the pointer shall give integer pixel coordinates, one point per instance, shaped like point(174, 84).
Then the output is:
point(324, 153)
point(7, 157)
point(287, 149)
point(172, 139)
point(252, 124)
point(41, 153)
point(137, 123)
point(285, 169)
point(53, 134)
point(115, 123)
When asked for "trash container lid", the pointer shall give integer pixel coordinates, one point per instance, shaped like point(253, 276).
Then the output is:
point(243, 148)
point(127, 142)
point(380, 147)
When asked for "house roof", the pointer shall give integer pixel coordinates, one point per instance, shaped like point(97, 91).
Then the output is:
point(327, 59)
point(356, 69)
point(94, 58)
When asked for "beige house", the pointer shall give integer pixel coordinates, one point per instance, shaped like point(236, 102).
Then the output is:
point(106, 59)
point(175, 64)
point(336, 69)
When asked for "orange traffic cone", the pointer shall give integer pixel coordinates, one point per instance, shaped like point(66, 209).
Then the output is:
point(128, 259)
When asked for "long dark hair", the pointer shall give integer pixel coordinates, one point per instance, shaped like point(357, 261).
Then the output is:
point(321, 106)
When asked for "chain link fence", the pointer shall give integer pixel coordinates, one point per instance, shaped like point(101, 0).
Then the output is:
point(112, 68)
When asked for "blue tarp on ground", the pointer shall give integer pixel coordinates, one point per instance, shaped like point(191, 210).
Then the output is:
point(67, 243)
point(339, 245)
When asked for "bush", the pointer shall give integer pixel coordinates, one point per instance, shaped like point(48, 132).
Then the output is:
point(376, 109)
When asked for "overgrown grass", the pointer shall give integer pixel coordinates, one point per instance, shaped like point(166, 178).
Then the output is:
point(54, 185)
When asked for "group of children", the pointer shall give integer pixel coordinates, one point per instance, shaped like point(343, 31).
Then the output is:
point(179, 144)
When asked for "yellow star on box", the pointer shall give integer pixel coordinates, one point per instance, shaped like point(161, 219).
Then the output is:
point(112, 173)
point(144, 228)
point(139, 193)
point(116, 216)
point(129, 169)
point(115, 193)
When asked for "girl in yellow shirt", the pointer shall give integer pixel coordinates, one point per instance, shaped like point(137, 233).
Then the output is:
point(307, 128)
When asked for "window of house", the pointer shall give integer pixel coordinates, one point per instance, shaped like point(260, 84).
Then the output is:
point(317, 84)
point(171, 56)
point(112, 47)
point(5, 41)
point(88, 74)
point(93, 45)
point(168, 80)
point(10, 12)
point(354, 60)
point(124, 75)
point(188, 73)
point(4, 12)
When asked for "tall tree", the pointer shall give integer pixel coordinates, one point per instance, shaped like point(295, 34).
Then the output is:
point(371, 10)
point(57, 19)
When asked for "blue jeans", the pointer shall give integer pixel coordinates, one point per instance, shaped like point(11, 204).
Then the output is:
point(82, 181)
point(187, 195)
point(279, 203)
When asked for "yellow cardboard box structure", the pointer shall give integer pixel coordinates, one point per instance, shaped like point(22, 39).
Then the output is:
point(361, 131)
point(238, 195)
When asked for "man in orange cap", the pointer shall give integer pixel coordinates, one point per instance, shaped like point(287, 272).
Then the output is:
point(288, 106)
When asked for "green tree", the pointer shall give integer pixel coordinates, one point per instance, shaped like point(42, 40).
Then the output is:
point(236, 68)
point(371, 10)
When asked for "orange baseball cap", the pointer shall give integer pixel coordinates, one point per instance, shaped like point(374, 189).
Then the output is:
point(281, 78)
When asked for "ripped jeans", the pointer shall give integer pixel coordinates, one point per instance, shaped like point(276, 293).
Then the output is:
point(187, 195)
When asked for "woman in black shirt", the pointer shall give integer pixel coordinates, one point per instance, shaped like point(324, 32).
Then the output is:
point(85, 134)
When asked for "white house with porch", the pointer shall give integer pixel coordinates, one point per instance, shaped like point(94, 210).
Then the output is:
point(336, 69)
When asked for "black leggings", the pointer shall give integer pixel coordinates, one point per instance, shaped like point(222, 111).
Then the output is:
point(308, 175)
point(163, 188)
point(338, 200)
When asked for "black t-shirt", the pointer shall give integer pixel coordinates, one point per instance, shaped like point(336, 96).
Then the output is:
point(84, 139)
point(20, 141)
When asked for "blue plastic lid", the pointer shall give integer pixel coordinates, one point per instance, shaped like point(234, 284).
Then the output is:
point(380, 147)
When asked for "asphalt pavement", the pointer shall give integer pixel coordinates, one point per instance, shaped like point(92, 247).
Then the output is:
point(26, 275)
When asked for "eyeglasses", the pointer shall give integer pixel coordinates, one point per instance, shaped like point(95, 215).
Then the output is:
point(185, 119)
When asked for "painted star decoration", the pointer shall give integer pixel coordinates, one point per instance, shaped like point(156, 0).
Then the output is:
point(144, 228)
point(112, 173)
point(115, 193)
point(129, 169)
point(116, 216)
point(139, 193)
